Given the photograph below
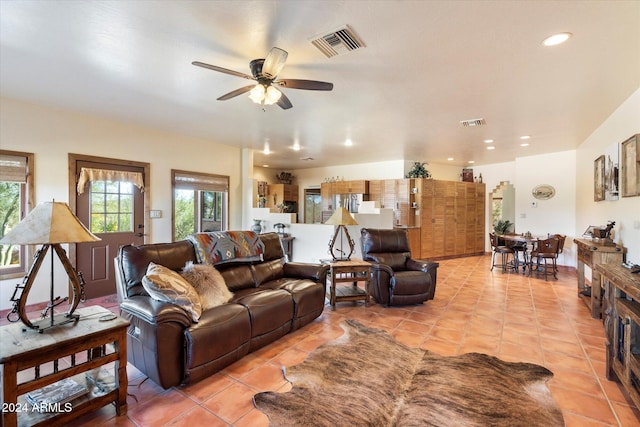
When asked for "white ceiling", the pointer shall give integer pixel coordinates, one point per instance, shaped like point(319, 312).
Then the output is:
point(426, 66)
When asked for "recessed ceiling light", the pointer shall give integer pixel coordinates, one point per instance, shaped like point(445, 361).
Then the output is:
point(488, 141)
point(348, 142)
point(266, 149)
point(491, 147)
point(471, 162)
point(450, 158)
point(296, 146)
point(265, 166)
point(524, 144)
point(525, 137)
point(556, 39)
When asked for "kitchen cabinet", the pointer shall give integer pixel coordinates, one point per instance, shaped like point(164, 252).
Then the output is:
point(396, 194)
point(329, 190)
point(282, 194)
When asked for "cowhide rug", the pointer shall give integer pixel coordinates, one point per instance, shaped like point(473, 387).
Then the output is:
point(367, 378)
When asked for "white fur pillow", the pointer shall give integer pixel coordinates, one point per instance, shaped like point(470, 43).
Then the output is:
point(208, 283)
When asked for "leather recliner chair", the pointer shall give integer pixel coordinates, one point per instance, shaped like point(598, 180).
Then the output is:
point(396, 278)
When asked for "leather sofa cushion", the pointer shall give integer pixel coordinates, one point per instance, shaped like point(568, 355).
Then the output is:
point(238, 277)
point(269, 309)
point(395, 260)
point(272, 246)
point(410, 282)
point(308, 295)
point(220, 331)
point(268, 270)
point(135, 260)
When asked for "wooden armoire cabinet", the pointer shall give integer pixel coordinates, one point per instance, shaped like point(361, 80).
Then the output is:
point(451, 218)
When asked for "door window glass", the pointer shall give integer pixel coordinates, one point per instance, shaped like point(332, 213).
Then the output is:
point(111, 206)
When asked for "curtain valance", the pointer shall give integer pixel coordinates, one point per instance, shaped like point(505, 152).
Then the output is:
point(91, 174)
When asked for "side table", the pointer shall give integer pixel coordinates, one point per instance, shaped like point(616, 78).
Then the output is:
point(591, 253)
point(64, 351)
point(622, 326)
point(351, 271)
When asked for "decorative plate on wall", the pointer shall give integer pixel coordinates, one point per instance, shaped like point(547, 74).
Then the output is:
point(543, 192)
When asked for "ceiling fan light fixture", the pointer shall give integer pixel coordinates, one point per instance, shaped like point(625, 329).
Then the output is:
point(264, 95)
point(257, 93)
point(272, 95)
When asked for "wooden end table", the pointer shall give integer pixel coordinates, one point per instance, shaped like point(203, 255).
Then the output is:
point(592, 253)
point(351, 271)
point(22, 352)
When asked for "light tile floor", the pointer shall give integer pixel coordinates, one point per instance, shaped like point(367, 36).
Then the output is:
point(514, 317)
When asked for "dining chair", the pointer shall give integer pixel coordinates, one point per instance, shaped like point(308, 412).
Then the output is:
point(543, 257)
point(561, 238)
point(503, 251)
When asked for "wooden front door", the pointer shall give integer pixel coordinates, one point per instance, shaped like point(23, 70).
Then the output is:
point(114, 211)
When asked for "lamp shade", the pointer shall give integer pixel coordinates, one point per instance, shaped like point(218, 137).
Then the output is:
point(49, 223)
point(341, 216)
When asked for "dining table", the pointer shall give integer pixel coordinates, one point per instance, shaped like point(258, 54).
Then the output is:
point(530, 243)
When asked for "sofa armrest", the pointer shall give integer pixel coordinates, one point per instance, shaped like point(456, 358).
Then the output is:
point(155, 312)
point(301, 270)
point(421, 265)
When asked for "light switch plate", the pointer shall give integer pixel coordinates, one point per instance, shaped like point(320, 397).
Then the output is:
point(155, 214)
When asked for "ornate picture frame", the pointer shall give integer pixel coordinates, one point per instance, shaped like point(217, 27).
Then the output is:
point(543, 192)
point(598, 179)
point(630, 167)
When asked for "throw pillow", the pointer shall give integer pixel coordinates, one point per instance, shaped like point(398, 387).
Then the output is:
point(164, 284)
point(208, 283)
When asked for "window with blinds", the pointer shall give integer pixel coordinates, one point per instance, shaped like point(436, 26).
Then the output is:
point(16, 190)
point(200, 202)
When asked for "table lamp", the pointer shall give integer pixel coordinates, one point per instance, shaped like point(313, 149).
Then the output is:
point(341, 218)
point(49, 224)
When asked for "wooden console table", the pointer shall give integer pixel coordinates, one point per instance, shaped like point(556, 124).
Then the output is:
point(590, 253)
point(622, 326)
point(65, 351)
point(350, 271)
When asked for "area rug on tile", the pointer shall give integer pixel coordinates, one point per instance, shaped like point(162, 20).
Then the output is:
point(367, 378)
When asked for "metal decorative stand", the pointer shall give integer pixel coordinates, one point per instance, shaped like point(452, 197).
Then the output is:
point(20, 294)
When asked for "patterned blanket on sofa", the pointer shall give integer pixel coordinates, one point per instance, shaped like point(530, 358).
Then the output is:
point(218, 247)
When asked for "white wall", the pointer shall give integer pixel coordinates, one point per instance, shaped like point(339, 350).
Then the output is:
point(556, 215)
point(622, 124)
point(52, 134)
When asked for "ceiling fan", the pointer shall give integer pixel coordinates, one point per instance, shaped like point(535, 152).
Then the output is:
point(264, 72)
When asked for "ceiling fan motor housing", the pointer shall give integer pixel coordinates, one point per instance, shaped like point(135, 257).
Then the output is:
point(256, 67)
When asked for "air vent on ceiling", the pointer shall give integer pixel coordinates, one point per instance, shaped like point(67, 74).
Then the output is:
point(473, 122)
point(307, 158)
point(338, 42)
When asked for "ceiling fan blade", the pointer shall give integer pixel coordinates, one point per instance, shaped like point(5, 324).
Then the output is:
point(236, 92)
point(274, 62)
point(222, 70)
point(284, 102)
point(304, 84)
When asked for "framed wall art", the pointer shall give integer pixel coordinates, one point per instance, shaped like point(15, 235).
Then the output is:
point(630, 167)
point(611, 172)
point(598, 179)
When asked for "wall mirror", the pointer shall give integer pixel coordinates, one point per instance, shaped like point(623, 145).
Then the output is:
point(503, 203)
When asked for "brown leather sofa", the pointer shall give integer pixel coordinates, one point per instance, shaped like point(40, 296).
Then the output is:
point(271, 298)
point(396, 278)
